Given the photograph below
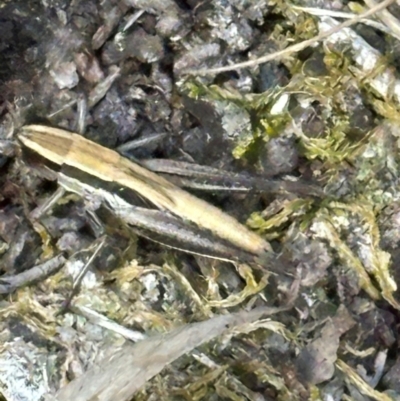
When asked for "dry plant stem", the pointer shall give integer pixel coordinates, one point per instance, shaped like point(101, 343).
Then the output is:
point(65, 107)
point(100, 90)
point(102, 321)
point(137, 143)
point(122, 374)
point(71, 150)
point(40, 272)
point(360, 383)
point(82, 273)
point(82, 112)
point(387, 18)
point(46, 206)
point(322, 12)
point(291, 49)
point(132, 19)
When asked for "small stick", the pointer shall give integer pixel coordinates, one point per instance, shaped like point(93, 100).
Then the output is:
point(77, 283)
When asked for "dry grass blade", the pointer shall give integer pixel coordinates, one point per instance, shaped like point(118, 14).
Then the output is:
point(361, 385)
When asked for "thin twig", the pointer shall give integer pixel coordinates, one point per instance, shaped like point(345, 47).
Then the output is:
point(291, 49)
point(77, 282)
point(9, 284)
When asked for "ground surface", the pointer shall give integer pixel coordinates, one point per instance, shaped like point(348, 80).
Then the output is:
point(311, 144)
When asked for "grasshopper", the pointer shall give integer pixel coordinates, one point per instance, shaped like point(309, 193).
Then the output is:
point(69, 150)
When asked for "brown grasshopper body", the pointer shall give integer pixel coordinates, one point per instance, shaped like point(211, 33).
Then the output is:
point(64, 148)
